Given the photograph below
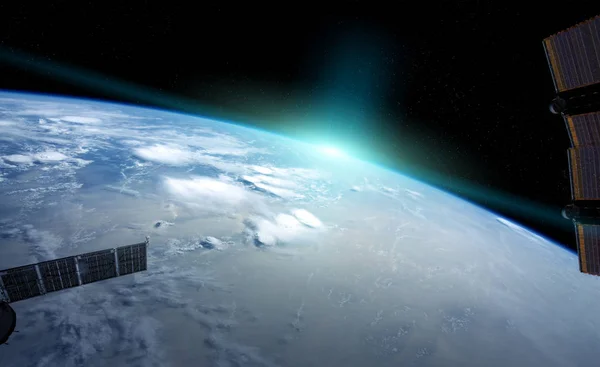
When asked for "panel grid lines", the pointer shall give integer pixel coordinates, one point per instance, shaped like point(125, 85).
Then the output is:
point(584, 129)
point(574, 56)
point(595, 36)
point(588, 239)
point(59, 274)
point(132, 258)
point(585, 172)
point(97, 266)
point(49, 276)
point(21, 283)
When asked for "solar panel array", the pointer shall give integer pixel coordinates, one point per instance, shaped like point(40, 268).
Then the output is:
point(132, 258)
point(59, 274)
point(585, 172)
point(588, 248)
point(574, 55)
point(574, 60)
point(20, 283)
point(49, 276)
point(96, 266)
point(584, 129)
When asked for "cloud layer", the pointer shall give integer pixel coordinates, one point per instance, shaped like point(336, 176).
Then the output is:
point(206, 190)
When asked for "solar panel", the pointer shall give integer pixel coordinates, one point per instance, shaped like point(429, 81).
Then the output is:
point(131, 258)
point(584, 129)
point(574, 55)
point(96, 266)
point(585, 172)
point(588, 248)
point(28, 281)
point(21, 283)
point(59, 274)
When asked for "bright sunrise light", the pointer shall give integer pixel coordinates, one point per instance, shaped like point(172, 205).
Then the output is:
point(332, 151)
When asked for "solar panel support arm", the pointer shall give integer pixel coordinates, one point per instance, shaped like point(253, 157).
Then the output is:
point(40, 281)
point(583, 212)
point(77, 270)
point(116, 263)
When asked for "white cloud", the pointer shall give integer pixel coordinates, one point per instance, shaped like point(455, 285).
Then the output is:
point(81, 119)
point(163, 224)
point(40, 111)
point(520, 230)
point(211, 242)
point(49, 156)
point(303, 173)
point(230, 151)
point(123, 190)
point(211, 144)
point(18, 159)
point(274, 185)
point(81, 162)
point(178, 156)
point(284, 228)
point(307, 218)
point(166, 154)
point(389, 190)
point(44, 157)
point(414, 194)
point(5, 123)
point(132, 142)
point(225, 166)
point(204, 190)
point(43, 245)
point(177, 246)
point(274, 181)
point(278, 191)
point(263, 170)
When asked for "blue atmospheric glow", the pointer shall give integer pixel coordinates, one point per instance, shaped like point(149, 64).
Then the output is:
point(332, 151)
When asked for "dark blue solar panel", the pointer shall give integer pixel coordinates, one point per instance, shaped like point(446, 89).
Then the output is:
point(132, 258)
point(59, 274)
point(588, 247)
point(96, 266)
point(21, 283)
point(49, 276)
point(585, 172)
point(584, 129)
point(574, 55)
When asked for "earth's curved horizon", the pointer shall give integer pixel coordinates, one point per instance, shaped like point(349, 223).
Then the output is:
point(265, 252)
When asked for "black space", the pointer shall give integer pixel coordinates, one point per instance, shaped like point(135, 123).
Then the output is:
point(454, 93)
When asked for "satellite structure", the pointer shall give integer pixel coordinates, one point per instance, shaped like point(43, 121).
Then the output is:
point(574, 59)
point(23, 282)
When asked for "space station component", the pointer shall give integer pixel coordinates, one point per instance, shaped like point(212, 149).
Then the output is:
point(33, 280)
point(8, 321)
point(573, 56)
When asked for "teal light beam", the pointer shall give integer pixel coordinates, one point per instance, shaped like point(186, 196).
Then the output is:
point(98, 82)
point(507, 202)
point(356, 80)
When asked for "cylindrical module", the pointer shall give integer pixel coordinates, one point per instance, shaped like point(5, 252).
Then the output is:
point(8, 321)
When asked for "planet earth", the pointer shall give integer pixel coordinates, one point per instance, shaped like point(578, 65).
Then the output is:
point(266, 251)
